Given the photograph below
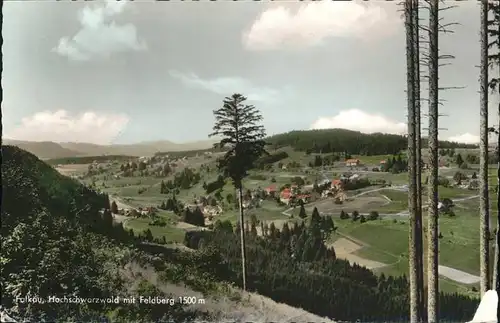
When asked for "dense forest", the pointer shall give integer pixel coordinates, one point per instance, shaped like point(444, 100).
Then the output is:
point(349, 142)
point(293, 266)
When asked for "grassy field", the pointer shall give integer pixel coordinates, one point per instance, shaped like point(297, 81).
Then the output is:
point(266, 212)
point(399, 201)
point(371, 160)
point(460, 236)
point(169, 231)
point(387, 242)
point(362, 204)
point(394, 179)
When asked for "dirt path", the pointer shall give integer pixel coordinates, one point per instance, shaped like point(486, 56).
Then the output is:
point(458, 275)
point(345, 249)
point(189, 227)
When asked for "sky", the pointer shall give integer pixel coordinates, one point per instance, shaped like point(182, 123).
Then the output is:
point(111, 72)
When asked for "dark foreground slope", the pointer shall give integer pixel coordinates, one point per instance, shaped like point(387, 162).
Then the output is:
point(55, 242)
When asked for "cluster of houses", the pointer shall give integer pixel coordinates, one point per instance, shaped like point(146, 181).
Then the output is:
point(294, 194)
point(209, 211)
point(289, 195)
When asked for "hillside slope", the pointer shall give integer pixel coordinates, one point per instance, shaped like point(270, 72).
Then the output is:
point(47, 245)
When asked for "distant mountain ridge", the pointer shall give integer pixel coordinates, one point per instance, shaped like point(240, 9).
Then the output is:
point(340, 139)
point(43, 149)
point(49, 149)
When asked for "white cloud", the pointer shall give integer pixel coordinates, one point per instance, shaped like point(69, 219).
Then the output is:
point(100, 35)
point(360, 121)
point(228, 85)
point(278, 27)
point(60, 126)
point(465, 138)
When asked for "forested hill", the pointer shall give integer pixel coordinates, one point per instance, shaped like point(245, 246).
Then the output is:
point(57, 242)
point(351, 142)
point(46, 248)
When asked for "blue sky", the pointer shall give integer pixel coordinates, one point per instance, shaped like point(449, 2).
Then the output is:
point(122, 72)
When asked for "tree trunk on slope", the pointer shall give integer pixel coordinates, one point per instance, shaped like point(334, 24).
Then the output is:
point(432, 219)
point(484, 254)
point(412, 200)
point(243, 244)
point(496, 267)
point(418, 157)
point(495, 8)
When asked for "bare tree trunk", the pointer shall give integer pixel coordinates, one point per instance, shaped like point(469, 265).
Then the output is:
point(484, 254)
point(412, 197)
point(418, 148)
point(432, 219)
point(243, 244)
point(496, 267)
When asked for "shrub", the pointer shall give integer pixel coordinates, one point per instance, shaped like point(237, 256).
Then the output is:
point(373, 215)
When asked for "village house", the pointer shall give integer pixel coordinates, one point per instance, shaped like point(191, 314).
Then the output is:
point(441, 206)
point(271, 190)
point(285, 195)
point(246, 204)
point(336, 184)
point(211, 211)
point(146, 211)
point(353, 177)
point(352, 162)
